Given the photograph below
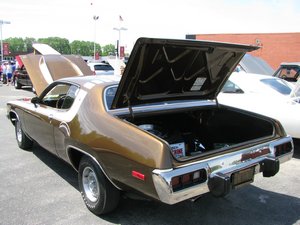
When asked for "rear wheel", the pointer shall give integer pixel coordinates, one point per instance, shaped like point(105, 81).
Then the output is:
point(23, 141)
point(98, 193)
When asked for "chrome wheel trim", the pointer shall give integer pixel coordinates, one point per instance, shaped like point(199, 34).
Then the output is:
point(90, 184)
point(18, 131)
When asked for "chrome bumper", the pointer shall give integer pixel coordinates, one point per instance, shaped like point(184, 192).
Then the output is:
point(220, 170)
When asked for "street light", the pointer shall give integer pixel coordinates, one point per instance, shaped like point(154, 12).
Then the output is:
point(119, 30)
point(1, 23)
point(95, 28)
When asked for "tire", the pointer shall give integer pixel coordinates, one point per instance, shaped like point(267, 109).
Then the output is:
point(23, 141)
point(98, 193)
point(17, 84)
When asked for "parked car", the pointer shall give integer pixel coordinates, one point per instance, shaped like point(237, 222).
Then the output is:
point(158, 132)
point(254, 64)
point(289, 71)
point(21, 78)
point(100, 68)
point(267, 95)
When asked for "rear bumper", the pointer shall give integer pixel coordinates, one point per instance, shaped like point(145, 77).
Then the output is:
point(225, 172)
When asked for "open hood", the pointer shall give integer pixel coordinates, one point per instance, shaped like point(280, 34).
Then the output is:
point(44, 69)
point(166, 69)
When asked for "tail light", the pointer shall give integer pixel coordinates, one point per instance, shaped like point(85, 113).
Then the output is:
point(188, 180)
point(283, 149)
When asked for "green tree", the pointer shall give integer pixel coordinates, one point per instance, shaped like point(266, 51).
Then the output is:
point(108, 50)
point(61, 45)
point(28, 41)
point(16, 44)
point(19, 45)
point(85, 48)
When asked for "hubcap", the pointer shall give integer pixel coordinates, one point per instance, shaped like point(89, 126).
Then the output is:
point(90, 184)
point(19, 131)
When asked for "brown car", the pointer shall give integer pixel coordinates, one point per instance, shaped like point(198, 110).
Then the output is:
point(158, 132)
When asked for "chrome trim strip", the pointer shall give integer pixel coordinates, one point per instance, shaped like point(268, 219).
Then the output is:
point(93, 158)
point(220, 165)
point(163, 106)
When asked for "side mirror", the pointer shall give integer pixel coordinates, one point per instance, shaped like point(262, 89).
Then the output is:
point(35, 101)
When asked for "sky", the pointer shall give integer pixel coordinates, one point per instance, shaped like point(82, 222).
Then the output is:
point(73, 19)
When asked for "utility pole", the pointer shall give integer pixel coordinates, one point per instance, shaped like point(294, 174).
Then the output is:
point(1, 24)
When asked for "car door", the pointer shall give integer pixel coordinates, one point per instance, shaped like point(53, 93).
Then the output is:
point(41, 119)
point(61, 122)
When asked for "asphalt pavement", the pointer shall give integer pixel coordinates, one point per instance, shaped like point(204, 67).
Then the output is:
point(38, 188)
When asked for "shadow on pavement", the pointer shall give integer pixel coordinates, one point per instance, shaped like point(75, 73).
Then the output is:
point(59, 166)
point(249, 205)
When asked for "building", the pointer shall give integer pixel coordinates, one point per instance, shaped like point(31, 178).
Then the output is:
point(274, 47)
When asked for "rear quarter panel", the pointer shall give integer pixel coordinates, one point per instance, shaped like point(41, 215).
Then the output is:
point(118, 146)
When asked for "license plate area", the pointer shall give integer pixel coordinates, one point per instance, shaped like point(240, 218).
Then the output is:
point(243, 177)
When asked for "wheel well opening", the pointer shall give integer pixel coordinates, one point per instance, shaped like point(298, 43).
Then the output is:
point(75, 157)
point(12, 117)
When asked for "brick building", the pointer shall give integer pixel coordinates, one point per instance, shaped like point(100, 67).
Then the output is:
point(275, 47)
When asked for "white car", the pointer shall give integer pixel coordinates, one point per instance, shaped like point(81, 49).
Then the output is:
point(100, 68)
point(266, 95)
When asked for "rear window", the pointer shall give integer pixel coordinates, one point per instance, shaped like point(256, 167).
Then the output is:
point(103, 67)
point(277, 85)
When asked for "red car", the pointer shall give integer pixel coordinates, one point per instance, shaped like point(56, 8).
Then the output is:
point(21, 78)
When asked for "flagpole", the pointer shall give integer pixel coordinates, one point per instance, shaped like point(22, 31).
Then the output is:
point(95, 34)
point(1, 24)
point(119, 29)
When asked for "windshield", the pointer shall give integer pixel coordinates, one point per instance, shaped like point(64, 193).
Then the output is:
point(289, 73)
point(277, 85)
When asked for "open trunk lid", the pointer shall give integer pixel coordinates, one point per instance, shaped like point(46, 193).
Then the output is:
point(165, 69)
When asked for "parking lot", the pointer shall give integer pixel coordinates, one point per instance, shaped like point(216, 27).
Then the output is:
point(38, 188)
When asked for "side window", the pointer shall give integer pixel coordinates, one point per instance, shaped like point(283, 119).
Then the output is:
point(60, 96)
point(109, 96)
point(70, 97)
point(231, 87)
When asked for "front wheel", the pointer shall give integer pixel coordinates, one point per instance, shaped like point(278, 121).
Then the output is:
point(98, 193)
point(17, 84)
point(23, 141)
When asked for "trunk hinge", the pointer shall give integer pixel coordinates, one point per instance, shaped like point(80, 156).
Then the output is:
point(130, 109)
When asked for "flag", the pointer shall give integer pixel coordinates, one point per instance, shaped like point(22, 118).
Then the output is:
point(120, 18)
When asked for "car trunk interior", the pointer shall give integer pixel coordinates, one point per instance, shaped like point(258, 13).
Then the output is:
point(202, 131)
